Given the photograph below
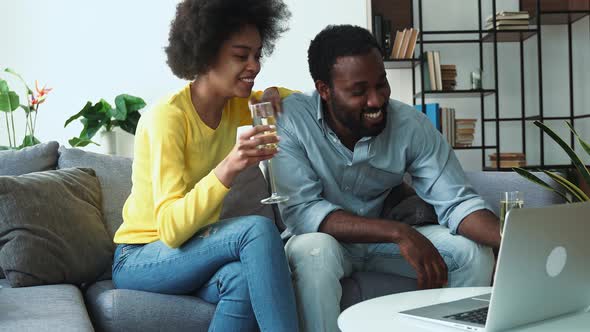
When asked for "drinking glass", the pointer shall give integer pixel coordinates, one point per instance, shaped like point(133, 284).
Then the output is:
point(263, 114)
point(509, 200)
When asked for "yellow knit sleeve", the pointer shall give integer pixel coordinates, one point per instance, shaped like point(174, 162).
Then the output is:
point(179, 211)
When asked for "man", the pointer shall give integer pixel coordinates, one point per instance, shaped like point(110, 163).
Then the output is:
point(343, 149)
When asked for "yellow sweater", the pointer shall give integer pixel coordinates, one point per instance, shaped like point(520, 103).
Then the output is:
point(175, 192)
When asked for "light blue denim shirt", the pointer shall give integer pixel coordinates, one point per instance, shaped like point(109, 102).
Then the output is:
point(321, 175)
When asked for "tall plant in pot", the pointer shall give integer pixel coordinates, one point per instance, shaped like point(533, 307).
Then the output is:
point(102, 115)
point(576, 193)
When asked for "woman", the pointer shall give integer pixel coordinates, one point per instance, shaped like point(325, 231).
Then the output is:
point(186, 158)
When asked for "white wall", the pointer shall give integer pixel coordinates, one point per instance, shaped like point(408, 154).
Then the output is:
point(87, 50)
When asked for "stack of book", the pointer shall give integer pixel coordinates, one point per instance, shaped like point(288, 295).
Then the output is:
point(449, 76)
point(442, 118)
point(404, 44)
point(464, 132)
point(509, 21)
point(508, 159)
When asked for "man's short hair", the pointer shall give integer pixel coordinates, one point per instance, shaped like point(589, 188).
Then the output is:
point(336, 41)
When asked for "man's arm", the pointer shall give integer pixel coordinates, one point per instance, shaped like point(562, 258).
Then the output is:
point(431, 269)
point(483, 227)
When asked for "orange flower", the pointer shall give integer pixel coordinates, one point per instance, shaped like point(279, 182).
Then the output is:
point(41, 94)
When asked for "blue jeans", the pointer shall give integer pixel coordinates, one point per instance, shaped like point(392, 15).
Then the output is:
point(318, 262)
point(237, 263)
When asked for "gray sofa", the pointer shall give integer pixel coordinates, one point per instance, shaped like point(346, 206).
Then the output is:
point(100, 307)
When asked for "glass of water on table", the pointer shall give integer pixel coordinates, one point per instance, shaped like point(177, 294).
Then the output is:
point(264, 114)
point(509, 200)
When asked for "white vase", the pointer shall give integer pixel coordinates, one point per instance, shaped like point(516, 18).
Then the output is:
point(108, 142)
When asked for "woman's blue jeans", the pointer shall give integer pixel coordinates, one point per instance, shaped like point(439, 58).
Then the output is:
point(237, 263)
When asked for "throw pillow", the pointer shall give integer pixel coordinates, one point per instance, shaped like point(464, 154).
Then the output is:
point(51, 228)
point(40, 157)
point(37, 158)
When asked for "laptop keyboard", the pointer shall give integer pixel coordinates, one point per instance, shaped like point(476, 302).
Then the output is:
point(477, 316)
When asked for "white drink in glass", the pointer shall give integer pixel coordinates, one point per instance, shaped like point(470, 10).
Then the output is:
point(263, 114)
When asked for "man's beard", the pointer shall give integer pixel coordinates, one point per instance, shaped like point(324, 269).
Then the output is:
point(357, 124)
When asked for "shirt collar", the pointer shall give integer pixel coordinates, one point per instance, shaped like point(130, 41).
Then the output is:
point(320, 112)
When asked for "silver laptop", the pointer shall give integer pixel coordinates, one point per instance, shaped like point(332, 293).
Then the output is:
point(542, 272)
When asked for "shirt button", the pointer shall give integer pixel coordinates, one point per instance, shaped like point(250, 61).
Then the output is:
point(361, 210)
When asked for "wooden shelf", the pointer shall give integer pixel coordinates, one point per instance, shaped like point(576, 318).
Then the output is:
point(509, 36)
point(455, 93)
point(474, 147)
point(400, 63)
point(560, 17)
point(530, 167)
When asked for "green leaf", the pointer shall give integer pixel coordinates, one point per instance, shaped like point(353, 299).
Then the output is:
point(100, 111)
point(130, 124)
point(91, 127)
point(26, 108)
point(29, 140)
point(535, 179)
point(79, 114)
point(573, 156)
point(78, 142)
point(9, 70)
point(127, 104)
point(9, 101)
point(575, 191)
point(4, 86)
point(584, 145)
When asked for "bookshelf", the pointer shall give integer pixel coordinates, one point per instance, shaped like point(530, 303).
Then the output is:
point(552, 12)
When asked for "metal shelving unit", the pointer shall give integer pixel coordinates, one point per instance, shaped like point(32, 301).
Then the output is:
point(494, 37)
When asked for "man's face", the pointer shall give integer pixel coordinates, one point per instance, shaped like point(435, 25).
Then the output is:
point(357, 101)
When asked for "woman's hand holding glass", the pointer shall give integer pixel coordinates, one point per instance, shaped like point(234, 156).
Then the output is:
point(253, 146)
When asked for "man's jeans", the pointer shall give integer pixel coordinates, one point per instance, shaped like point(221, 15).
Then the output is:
point(318, 262)
point(237, 263)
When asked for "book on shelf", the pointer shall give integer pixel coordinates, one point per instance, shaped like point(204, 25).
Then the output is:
point(442, 118)
point(404, 44)
point(509, 15)
point(508, 159)
point(412, 44)
point(437, 73)
point(508, 163)
point(429, 75)
point(399, 35)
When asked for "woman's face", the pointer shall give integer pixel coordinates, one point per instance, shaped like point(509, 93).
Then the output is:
point(238, 63)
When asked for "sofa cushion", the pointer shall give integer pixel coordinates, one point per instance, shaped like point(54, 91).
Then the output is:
point(114, 175)
point(130, 310)
point(51, 228)
point(40, 157)
point(43, 308)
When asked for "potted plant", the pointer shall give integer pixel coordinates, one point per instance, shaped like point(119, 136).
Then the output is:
point(577, 194)
point(10, 101)
point(124, 115)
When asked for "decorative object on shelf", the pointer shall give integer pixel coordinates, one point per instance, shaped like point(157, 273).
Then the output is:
point(102, 115)
point(506, 20)
point(10, 102)
point(476, 79)
point(576, 192)
point(508, 159)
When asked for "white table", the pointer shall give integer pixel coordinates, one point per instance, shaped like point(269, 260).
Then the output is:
point(381, 314)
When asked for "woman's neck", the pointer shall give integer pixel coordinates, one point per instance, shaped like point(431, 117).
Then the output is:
point(207, 102)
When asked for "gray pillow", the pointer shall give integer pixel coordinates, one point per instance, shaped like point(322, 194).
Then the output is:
point(114, 175)
point(37, 158)
point(40, 157)
point(51, 228)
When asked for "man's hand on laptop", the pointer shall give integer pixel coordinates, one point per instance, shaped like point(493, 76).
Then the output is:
point(430, 267)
